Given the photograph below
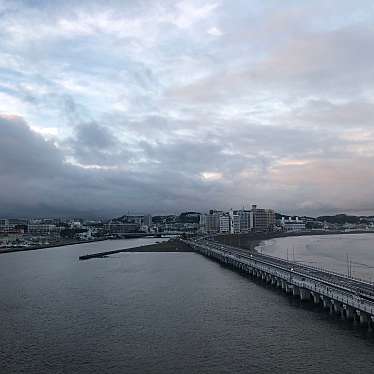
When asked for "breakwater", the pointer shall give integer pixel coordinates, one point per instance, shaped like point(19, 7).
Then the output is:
point(168, 246)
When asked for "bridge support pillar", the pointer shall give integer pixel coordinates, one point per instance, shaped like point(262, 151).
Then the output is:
point(336, 306)
point(289, 288)
point(363, 317)
point(296, 291)
point(370, 323)
point(316, 297)
point(326, 303)
point(279, 283)
point(284, 285)
point(304, 294)
point(348, 312)
point(331, 306)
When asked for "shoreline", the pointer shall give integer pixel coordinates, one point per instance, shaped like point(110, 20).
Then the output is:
point(251, 241)
point(56, 245)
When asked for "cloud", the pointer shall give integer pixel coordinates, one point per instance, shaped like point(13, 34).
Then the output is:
point(214, 31)
point(167, 176)
point(23, 151)
point(36, 179)
point(163, 106)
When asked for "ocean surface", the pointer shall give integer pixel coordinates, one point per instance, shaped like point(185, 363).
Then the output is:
point(328, 251)
point(161, 313)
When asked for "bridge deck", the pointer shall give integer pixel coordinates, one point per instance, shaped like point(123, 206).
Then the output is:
point(358, 288)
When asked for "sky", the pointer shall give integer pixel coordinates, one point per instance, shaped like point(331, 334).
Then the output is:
point(165, 106)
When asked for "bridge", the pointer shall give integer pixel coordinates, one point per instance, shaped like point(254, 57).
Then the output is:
point(348, 297)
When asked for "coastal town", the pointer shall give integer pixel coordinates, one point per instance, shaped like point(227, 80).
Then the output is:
point(30, 233)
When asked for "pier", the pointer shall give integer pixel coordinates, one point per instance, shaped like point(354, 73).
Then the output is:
point(350, 298)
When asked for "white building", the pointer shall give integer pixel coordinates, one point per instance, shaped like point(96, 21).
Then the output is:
point(75, 225)
point(234, 222)
point(293, 224)
point(224, 223)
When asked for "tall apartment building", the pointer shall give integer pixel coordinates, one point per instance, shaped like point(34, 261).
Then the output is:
point(234, 222)
point(213, 222)
point(237, 221)
point(209, 223)
point(224, 223)
point(203, 223)
point(244, 216)
point(261, 219)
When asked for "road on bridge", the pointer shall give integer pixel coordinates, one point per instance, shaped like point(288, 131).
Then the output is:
point(356, 286)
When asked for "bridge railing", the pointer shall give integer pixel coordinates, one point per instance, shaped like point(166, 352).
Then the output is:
point(329, 289)
point(324, 270)
point(313, 284)
point(327, 271)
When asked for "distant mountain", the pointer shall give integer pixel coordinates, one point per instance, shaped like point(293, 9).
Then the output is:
point(341, 219)
point(189, 217)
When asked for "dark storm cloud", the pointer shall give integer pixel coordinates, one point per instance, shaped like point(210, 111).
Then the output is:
point(94, 144)
point(24, 152)
point(35, 179)
point(93, 135)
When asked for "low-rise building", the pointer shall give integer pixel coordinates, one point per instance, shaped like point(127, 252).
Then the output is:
point(140, 219)
point(43, 230)
point(121, 228)
point(292, 224)
point(5, 225)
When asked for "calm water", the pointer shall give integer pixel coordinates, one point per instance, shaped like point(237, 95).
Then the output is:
point(160, 313)
point(328, 251)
